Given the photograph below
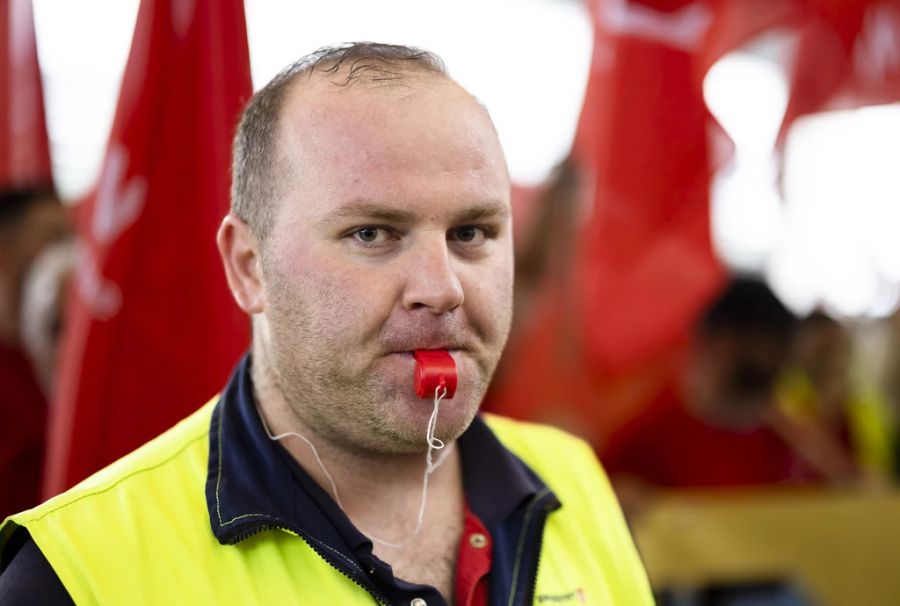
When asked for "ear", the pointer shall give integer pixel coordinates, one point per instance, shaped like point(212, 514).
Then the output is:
point(240, 257)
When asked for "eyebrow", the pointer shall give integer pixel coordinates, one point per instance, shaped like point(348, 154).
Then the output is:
point(381, 212)
point(368, 210)
point(485, 210)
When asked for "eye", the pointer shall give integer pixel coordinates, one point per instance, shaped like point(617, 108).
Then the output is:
point(470, 234)
point(466, 234)
point(368, 234)
point(371, 235)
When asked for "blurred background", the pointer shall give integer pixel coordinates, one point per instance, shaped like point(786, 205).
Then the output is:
point(706, 199)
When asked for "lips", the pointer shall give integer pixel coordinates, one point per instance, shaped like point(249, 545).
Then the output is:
point(410, 353)
point(407, 347)
point(449, 348)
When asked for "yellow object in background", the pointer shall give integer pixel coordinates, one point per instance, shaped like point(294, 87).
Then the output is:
point(839, 548)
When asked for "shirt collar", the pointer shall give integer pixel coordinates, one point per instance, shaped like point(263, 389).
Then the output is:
point(254, 484)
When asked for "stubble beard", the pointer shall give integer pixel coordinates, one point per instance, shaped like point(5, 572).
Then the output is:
point(351, 408)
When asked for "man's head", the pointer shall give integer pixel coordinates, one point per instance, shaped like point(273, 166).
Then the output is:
point(31, 218)
point(741, 347)
point(258, 161)
point(370, 218)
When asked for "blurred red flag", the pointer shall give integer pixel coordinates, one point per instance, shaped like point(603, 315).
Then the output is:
point(650, 148)
point(848, 55)
point(605, 336)
point(24, 151)
point(152, 330)
point(646, 265)
point(604, 329)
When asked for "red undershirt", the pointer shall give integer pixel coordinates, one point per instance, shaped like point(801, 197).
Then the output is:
point(473, 563)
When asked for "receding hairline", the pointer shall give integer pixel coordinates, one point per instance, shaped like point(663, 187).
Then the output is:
point(303, 98)
point(311, 93)
point(343, 74)
point(304, 94)
point(406, 78)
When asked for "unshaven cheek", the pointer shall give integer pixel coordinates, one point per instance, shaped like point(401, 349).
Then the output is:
point(488, 302)
point(352, 300)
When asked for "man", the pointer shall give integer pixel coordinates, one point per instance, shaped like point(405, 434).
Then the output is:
point(32, 220)
point(716, 425)
point(370, 219)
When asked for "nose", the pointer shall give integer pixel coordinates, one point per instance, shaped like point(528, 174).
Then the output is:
point(432, 282)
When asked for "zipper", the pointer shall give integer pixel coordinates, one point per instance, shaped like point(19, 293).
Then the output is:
point(331, 561)
point(540, 523)
point(531, 526)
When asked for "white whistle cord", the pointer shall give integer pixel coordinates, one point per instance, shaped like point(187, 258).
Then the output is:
point(430, 466)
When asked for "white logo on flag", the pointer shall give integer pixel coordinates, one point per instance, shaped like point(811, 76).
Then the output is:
point(682, 29)
point(876, 52)
point(117, 206)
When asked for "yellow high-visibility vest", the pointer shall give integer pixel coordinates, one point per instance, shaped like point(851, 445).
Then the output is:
point(138, 532)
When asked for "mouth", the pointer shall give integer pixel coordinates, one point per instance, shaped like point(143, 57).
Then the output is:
point(406, 340)
point(408, 353)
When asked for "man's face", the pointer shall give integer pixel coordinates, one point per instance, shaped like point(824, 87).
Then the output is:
point(736, 374)
point(394, 234)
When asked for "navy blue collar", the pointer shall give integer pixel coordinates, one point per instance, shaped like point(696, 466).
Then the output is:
point(253, 483)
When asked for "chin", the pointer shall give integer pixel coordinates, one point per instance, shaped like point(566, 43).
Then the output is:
point(407, 422)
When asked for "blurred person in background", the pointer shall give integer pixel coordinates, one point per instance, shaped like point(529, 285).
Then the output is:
point(887, 381)
point(546, 223)
point(715, 426)
point(544, 252)
point(44, 295)
point(30, 220)
point(828, 415)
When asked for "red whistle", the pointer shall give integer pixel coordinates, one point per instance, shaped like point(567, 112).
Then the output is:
point(434, 368)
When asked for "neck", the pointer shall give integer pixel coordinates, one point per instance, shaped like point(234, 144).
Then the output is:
point(380, 492)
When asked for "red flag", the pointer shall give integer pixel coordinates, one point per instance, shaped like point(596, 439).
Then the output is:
point(848, 55)
point(646, 264)
point(152, 330)
point(24, 151)
point(605, 335)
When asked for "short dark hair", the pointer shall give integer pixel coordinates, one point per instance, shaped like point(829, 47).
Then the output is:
point(15, 202)
point(748, 308)
point(256, 166)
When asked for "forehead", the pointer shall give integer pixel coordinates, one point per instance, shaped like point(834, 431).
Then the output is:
point(422, 137)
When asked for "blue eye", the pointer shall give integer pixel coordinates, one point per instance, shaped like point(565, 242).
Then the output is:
point(466, 234)
point(368, 235)
point(471, 234)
